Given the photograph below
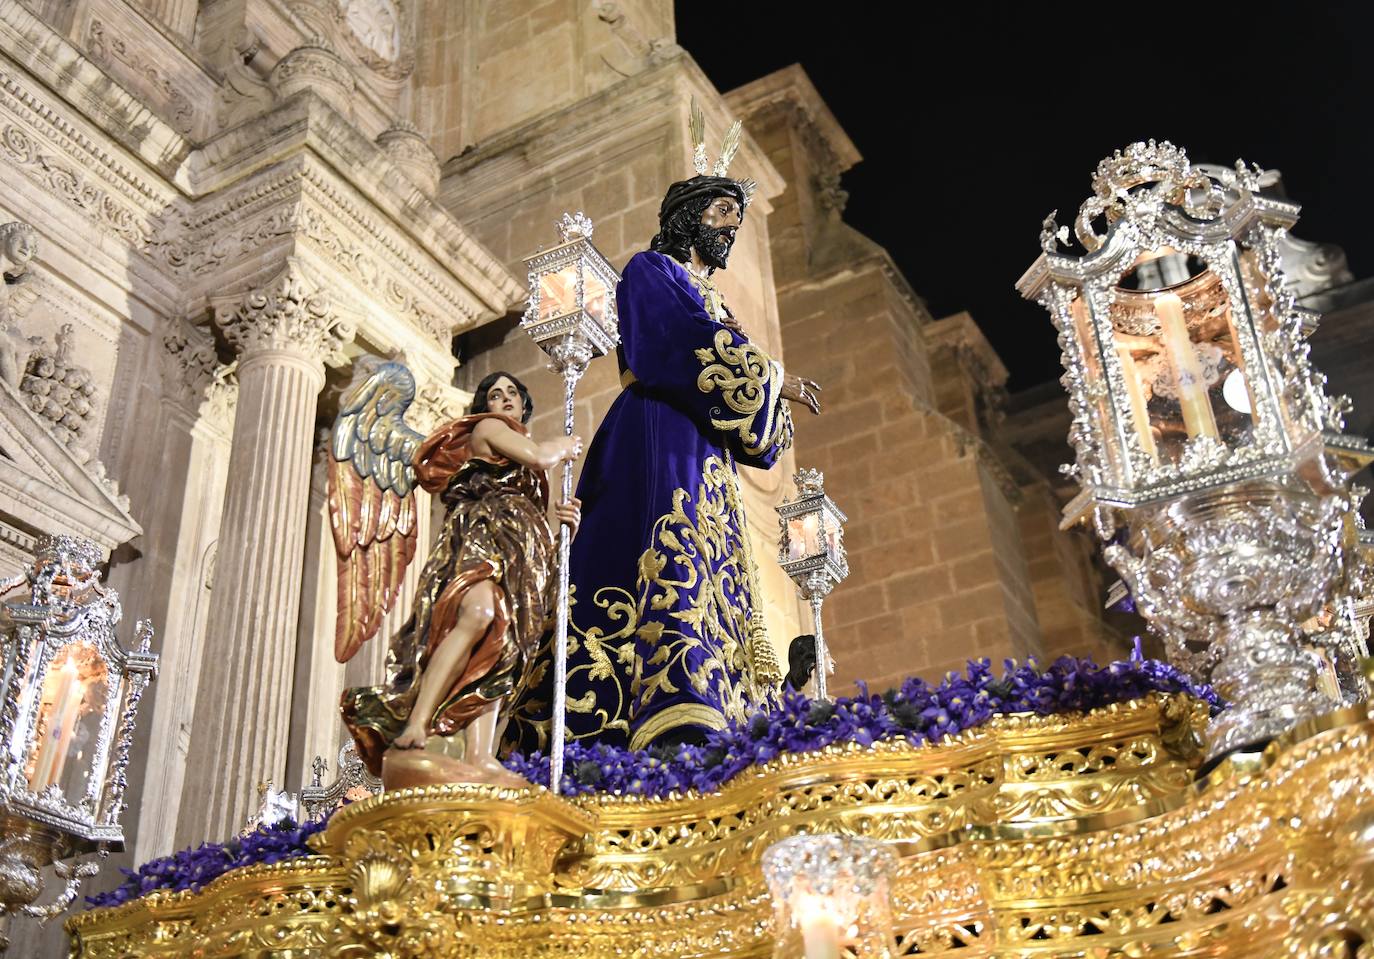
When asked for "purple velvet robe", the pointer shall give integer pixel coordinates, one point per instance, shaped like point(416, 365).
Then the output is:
point(663, 636)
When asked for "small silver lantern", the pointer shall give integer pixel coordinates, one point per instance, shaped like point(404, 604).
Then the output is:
point(1209, 455)
point(71, 695)
point(831, 897)
point(352, 782)
point(572, 317)
point(811, 552)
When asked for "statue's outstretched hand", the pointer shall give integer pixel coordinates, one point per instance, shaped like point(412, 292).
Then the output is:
point(569, 513)
point(799, 389)
point(571, 448)
point(729, 321)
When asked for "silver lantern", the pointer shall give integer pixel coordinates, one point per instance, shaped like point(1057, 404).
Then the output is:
point(811, 552)
point(352, 782)
point(571, 316)
point(71, 695)
point(1209, 455)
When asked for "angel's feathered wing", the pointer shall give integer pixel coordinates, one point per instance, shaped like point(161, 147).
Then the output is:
point(372, 502)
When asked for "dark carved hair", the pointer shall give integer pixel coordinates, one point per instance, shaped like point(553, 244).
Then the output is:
point(680, 215)
point(479, 396)
point(676, 233)
point(801, 661)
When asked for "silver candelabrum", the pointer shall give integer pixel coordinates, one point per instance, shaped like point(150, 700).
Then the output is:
point(571, 316)
point(1210, 458)
point(811, 552)
point(70, 700)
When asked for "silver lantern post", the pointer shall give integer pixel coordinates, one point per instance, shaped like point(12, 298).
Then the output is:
point(1209, 455)
point(572, 317)
point(811, 552)
point(71, 695)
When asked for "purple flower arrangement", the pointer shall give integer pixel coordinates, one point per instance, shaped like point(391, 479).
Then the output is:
point(916, 712)
point(194, 868)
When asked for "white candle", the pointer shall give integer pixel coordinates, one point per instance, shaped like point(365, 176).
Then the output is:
point(811, 529)
point(62, 713)
point(796, 545)
point(820, 928)
point(1182, 355)
point(1140, 412)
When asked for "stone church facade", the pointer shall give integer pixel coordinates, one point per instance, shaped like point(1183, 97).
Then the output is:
point(234, 203)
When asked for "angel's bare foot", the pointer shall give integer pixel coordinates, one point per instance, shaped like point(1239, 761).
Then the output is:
point(412, 737)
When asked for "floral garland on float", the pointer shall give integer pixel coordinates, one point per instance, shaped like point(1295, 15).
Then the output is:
point(917, 712)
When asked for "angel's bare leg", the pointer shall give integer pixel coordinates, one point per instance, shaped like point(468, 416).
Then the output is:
point(482, 735)
point(475, 614)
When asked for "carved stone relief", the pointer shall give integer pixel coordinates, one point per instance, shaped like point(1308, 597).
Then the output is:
point(104, 47)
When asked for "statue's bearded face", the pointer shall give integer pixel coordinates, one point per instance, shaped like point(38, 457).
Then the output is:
point(715, 234)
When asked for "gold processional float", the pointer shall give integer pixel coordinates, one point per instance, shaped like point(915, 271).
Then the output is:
point(1212, 463)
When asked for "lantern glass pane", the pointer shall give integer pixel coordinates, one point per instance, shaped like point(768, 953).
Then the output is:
point(1083, 332)
point(28, 690)
point(803, 537)
point(558, 292)
point(596, 295)
point(74, 693)
point(834, 535)
point(1175, 338)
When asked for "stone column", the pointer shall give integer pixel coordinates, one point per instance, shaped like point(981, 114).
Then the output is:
point(284, 333)
point(194, 415)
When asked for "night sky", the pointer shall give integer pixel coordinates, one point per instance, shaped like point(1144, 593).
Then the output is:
point(975, 121)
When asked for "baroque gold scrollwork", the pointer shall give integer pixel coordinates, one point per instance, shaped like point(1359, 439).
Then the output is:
point(745, 379)
point(697, 558)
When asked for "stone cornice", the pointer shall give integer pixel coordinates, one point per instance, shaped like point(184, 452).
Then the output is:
point(170, 217)
point(379, 192)
point(961, 333)
point(791, 86)
point(645, 109)
point(59, 65)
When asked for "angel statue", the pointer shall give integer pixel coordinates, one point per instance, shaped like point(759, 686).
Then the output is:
point(485, 593)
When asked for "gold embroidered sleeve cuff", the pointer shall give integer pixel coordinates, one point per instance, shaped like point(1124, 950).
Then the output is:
point(748, 384)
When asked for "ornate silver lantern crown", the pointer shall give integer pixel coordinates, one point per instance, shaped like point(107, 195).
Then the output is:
point(1208, 451)
point(1184, 351)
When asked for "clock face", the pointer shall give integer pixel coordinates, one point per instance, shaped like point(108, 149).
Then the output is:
point(377, 25)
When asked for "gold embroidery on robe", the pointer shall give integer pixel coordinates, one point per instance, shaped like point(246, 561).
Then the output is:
point(703, 561)
point(746, 379)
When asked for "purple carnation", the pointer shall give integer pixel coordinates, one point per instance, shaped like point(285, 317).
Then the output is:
point(915, 711)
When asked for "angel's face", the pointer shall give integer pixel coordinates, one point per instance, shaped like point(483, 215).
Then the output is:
point(503, 397)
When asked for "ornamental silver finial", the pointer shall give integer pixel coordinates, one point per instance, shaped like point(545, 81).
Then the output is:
point(809, 481)
point(574, 226)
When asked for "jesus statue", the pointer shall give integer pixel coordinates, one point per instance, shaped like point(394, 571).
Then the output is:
point(666, 638)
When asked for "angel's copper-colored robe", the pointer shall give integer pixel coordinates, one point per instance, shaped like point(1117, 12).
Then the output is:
point(495, 528)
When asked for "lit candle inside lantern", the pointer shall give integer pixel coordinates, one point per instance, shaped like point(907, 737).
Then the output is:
point(811, 533)
point(62, 714)
point(795, 544)
point(1183, 360)
point(820, 928)
point(1140, 411)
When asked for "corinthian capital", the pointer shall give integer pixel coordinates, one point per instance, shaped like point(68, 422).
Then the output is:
point(193, 376)
point(290, 313)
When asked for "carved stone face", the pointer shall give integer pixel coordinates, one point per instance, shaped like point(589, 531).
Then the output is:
point(720, 223)
point(20, 246)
